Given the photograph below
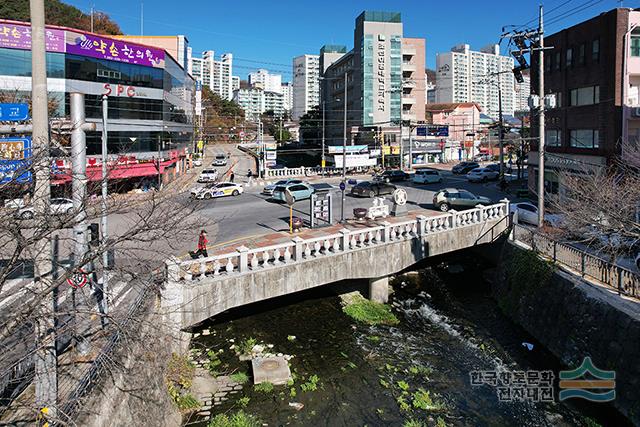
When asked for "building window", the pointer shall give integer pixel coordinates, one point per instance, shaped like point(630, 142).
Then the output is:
point(595, 50)
point(569, 57)
point(585, 96)
point(635, 42)
point(552, 138)
point(584, 138)
point(558, 61)
point(547, 63)
point(581, 54)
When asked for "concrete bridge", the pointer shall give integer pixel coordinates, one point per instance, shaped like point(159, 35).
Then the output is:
point(196, 290)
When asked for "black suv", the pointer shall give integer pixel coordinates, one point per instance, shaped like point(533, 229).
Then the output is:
point(464, 167)
point(393, 176)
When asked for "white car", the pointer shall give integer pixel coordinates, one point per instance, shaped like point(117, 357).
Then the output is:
point(57, 206)
point(219, 160)
point(220, 189)
point(528, 212)
point(426, 176)
point(268, 190)
point(197, 162)
point(482, 175)
point(208, 175)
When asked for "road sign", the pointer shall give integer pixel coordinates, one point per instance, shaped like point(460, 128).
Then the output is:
point(242, 134)
point(77, 279)
point(421, 131)
point(14, 160)
point(342, 186)
point(289, 197)
point(14, 112)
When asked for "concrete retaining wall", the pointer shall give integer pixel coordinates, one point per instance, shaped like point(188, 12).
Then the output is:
point(575, 319)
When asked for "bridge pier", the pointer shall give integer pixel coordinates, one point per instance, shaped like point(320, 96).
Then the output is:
point(379, 289)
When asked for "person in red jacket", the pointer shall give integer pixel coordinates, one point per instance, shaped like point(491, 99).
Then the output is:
point(202, 246)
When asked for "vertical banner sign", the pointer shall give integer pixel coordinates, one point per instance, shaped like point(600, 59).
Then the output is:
point(198, 98)
point(15, 154)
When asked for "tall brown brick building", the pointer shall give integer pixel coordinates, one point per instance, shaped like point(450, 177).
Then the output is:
point(585, 69)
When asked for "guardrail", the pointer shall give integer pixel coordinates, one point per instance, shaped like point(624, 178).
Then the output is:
point(246, 260)
point(623, 281)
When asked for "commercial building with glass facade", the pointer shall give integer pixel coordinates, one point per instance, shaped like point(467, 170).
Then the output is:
point(378, 82)
point(150, 112)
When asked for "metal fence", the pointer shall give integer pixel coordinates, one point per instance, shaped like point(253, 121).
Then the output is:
point(622, 280)
point(104, 362)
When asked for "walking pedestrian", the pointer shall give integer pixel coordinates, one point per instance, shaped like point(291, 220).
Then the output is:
point(232, 176)
point(202, 246)
point(249, 175)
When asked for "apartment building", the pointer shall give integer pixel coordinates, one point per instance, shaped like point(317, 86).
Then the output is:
point(213, 73)
point(287, 94)
point(522, 92)
point(463, 75)
point(266, 80)
point(306, 84)
point(256, 101)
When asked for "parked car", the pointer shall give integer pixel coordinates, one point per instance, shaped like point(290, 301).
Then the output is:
point(219, 160)
point(448, 198)
point(493, 167)
point(426, 176)
point(528, 213)
point(299, 191)
point(197, 162)
point(220, 189)
point(372, 189)
point(482, 157)
point(268, 190)
point(482, 175)
point(208, 175)
point(464, 167)
point(57, 206)
point(392, 176)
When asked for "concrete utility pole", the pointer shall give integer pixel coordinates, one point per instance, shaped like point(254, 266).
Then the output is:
point(103, 237)
point(541, 118)
point(79, 177)
point(46, 358)
point(344, 152)
point(501, 129)
point(323, 158)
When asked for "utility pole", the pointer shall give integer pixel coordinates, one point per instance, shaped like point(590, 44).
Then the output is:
point(79, 177)
point(46, 358)
point(103, 237)
point(323, 157)
point(501, 130)
point(541, 118)
point(159, 154)
point(344, 152)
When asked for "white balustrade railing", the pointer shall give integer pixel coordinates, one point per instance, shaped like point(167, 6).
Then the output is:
point(245, 260)
point(309, 171)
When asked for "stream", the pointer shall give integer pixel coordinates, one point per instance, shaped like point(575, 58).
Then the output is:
point(371, 375)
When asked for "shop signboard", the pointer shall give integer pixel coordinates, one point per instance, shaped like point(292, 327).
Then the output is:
point(14, 112)
point(16, 36)
point(335, 149)
point(95, 46)
point(14, 160)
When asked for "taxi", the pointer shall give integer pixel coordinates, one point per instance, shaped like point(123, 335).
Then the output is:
point(221, 189)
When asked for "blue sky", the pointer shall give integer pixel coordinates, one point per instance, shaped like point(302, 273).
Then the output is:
point(268, 34)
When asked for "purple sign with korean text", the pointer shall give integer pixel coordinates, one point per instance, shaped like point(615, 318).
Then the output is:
point(114, 50)
point(15, 36)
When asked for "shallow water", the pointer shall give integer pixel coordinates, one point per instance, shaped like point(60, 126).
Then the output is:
point(449, 326)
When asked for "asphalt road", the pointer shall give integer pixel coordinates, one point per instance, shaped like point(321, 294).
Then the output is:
point(252, 214)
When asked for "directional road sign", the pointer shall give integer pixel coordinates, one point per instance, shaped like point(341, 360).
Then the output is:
point(14, 112)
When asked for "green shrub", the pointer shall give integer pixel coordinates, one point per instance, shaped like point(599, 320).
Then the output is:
point(180, 371)
point(440, 422)
point(403, 385)
point(239, 419)
point(245, 346)
point(414, 423)
point(369, 312)
point(213, 363)
point(244, 401)
point(265, 387)
point(421, 399)
point(311, 385)
point(239, 377)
